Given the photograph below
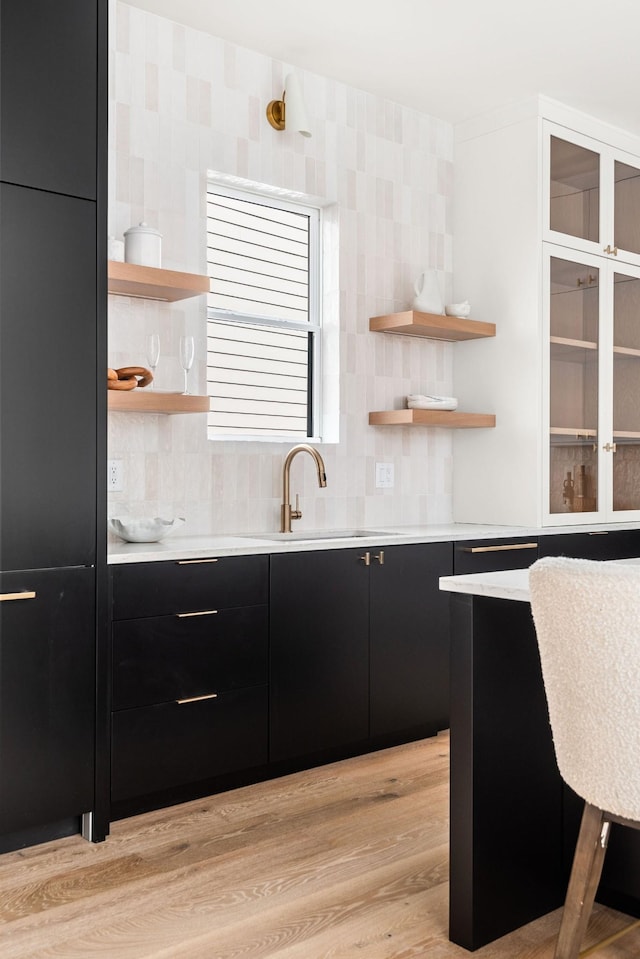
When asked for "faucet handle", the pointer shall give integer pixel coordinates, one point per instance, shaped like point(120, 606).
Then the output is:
point(297, 512)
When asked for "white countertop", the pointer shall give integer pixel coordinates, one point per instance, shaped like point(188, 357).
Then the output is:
point(203, 546)
point(186, 547)
point(501, 584)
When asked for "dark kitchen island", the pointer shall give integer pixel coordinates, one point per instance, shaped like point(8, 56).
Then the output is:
point(513, 821)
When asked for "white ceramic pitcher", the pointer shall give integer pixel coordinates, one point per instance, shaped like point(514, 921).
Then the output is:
point(428, 298)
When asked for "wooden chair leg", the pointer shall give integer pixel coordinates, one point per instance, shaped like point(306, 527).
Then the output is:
point(583, 883)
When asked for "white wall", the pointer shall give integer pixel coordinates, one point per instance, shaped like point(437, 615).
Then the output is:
point(183, 102)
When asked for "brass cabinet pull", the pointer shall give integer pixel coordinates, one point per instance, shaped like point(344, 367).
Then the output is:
point(613, 251)
point(10, 597)
point(196, 699)
point(194, 562)
point(498, 549)
point(380, 557)
point(610, 448)
point(366, 559)
point(205, 612)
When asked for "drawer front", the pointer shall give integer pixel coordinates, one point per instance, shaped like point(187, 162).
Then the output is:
point(166, 658)
point(485, 555)
point(159, 589)
point(614, 544)
point(160, 747)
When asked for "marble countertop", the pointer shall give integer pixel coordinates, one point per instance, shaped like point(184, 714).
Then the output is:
point(186, 547)
point(203, 546)
point(501, 584)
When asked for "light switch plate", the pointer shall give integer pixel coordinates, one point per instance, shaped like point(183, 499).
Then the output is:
point(384, 475)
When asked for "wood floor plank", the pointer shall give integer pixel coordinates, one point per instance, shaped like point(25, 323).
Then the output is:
point(342, 862)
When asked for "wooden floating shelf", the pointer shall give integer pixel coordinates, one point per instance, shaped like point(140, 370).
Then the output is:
point(154, 401)
point(151, 283)
point(443, 418)
point(432, 326)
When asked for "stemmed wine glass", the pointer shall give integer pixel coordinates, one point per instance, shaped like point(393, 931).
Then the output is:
point(153, 354)
point(187, 350)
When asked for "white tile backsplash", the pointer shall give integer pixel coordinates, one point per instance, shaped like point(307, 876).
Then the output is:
point(184, 102)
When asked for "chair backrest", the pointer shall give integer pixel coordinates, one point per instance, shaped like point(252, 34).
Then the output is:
point(587, 620)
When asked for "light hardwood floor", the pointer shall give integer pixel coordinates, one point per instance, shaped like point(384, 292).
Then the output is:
point(349, 860)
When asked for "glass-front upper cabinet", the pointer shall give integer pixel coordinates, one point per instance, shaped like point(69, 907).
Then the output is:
point(593, 451)
point(626, 391)
point(574, 391)
point(593, 196)
point(574, 190)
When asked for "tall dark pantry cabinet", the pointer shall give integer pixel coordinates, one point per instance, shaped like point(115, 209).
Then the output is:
point(53, 108)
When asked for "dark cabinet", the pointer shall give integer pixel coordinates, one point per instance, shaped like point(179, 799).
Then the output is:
point(486, 556)
point(167, 658)
point(409, 640)
point(47, 717)
point(612, 544)
point(48, 402)
point(168, 745)
point(53, 139)
point(161, 589)
point(48, 96)
point(359, 647)
point(190, 674)
point(319, 651)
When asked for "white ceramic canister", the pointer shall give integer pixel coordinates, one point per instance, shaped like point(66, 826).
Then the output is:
point(143, 245)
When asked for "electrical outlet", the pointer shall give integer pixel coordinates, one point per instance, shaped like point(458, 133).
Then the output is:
point(384, 475)
point(115, 476)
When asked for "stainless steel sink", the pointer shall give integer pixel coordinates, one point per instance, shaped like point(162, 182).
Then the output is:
point(317, 534)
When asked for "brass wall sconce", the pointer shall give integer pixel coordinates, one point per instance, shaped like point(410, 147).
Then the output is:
point(289, 113)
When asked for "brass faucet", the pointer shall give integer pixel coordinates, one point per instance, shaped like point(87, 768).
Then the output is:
point(286, 513)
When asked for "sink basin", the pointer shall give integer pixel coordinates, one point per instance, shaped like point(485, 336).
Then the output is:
point(316, 534)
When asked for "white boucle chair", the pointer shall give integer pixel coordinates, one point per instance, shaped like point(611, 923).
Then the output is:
point(587, 620)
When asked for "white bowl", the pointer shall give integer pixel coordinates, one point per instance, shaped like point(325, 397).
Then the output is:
point(144, 530)
point(461, 310)
point(421, 401)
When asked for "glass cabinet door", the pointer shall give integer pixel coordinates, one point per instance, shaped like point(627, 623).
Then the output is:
point(626, 392)
point(626, 221)
point(574, 199)
point(573, 410)
point(593, 197)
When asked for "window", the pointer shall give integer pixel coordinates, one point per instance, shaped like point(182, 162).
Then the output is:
point(263, 316)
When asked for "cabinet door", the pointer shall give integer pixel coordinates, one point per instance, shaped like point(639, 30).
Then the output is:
point(47, 682)
point(48, 94)
point(575, 190)
point(625, 443)
point(409, 636)
point(626, 207)
point(576, 301)
point(48, 418)
point(319, 651)
point(593, 196)
point(594, 388)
